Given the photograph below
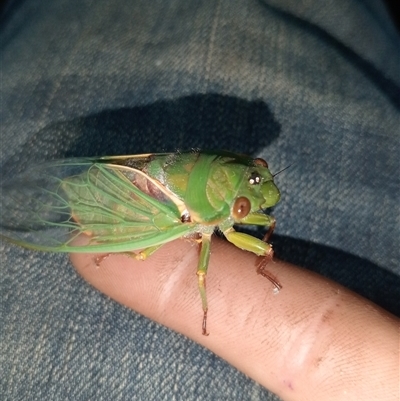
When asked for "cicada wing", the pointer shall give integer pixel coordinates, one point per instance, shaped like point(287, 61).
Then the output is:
point(49, 207)
point(34, 211)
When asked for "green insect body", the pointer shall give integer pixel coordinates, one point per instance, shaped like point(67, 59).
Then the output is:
point(135, 204)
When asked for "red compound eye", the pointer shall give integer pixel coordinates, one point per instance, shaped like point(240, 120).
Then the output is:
point(241, 208)
point(260, 162)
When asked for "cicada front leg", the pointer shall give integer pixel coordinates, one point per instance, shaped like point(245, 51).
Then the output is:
point(264, 260)
point(261, 269)
point(271, 229)
point(260, 247)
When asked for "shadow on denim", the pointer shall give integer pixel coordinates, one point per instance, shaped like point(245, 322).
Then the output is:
point(199, 121)
point(360, 275)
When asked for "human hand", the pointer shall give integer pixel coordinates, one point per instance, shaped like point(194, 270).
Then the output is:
point(314, 340)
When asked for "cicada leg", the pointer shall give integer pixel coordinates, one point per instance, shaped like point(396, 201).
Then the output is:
point(271, 229)
point(100, 259)
point(145, 253)
point(142, 255)
point(201, 275)
point(264, 260)
point(257, 246)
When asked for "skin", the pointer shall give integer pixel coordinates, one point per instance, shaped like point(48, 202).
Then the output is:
point(315, 340)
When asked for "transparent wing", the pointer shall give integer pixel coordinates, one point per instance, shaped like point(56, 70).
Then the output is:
point(118, 208)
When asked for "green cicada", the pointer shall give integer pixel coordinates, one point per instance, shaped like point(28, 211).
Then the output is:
point(135, 204)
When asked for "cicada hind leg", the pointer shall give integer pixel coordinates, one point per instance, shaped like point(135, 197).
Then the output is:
point(142, 255)
point(201, 277)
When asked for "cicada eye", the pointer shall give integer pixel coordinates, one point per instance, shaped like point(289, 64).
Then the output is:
point(260, 162)
point(255, 178)
point(241, 208)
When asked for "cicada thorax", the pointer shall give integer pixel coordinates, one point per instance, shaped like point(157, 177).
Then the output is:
point(182, 178)
point(212, 187)
point(206, 185)
point(207, 189)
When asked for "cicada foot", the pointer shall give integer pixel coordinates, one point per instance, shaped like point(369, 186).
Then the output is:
point(261, 269)
point(145, 253)
point(142, 255)
point(99, 259)
point(201, 278)
point(202, 288)
point(204, 325)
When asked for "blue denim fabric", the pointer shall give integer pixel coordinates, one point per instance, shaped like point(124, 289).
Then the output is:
point(309, 83)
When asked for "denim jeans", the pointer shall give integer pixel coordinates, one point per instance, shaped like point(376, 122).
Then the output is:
point(314, 85)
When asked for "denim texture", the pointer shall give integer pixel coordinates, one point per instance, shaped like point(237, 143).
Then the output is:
point(311, 84)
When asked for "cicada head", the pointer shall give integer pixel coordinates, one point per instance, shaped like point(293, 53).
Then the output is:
point(270, 193)
point(262, 177)
point(256, 190)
